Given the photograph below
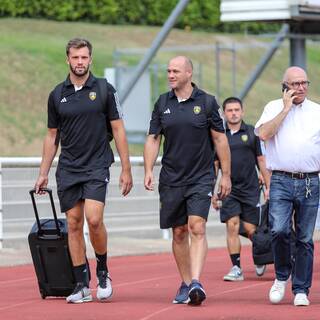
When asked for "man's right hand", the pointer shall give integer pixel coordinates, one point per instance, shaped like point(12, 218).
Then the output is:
point(149, 181)
point(216, 202)
point(41, 182)
point(225, 186)
point(288, 97)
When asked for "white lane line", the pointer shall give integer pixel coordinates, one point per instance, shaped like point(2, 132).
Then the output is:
point(151, 315)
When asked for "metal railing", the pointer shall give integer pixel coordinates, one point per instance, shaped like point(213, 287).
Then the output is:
point(34, 162)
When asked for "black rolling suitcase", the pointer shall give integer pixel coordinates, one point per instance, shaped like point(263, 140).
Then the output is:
point(48, 242)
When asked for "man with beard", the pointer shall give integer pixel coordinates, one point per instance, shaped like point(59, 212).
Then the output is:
point(242, 204)
point(291, 131)
point(79, 119)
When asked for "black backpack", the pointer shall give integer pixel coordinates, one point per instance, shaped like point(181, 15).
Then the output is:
point(102, 85)
point(262, 239)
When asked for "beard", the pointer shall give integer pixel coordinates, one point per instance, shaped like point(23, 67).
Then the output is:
point(79, 73)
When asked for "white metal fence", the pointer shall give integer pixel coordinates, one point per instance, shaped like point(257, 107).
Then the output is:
point(18, 175)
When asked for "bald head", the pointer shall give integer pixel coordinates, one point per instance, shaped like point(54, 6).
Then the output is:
point(297, 80)
point(180, 74)
point(294, 72)
point(183, 61)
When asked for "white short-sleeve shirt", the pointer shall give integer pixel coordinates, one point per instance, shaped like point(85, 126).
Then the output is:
point(296, 145)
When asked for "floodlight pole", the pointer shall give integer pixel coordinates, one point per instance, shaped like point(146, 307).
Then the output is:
point(298, 52)
point(162, 35)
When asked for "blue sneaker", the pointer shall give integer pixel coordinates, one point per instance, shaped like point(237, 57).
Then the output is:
point(182, 296)
point(196, 293)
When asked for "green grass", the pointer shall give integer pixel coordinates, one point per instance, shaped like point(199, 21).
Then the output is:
point(32, 62)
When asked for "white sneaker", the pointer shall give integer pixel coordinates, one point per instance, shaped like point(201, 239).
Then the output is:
point(104, 286)
point(235, 274)
point(260, 269)
point(277, 291)
point(301, 299)
point(80, 294)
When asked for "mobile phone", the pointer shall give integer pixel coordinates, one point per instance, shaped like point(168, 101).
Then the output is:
point(284, 87)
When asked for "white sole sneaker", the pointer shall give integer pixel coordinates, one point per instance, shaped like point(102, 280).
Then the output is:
point(277, 291)
point(80, 296)
point(301, 299)
point(104, 291)
point(260, 270)
point(235, 274)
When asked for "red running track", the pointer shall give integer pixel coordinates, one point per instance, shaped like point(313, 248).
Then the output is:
point(144, 287)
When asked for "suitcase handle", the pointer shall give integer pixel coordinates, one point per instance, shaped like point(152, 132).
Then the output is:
point(49, 191)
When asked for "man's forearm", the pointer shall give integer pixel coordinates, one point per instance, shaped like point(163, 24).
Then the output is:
point(49, 151)
point(264, 171)
point(270, 128)
point(122, 147)
point(223, 151)
point(150, 153)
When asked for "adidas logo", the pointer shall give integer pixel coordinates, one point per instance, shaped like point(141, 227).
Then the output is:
point(167, 111)
point(63, 100)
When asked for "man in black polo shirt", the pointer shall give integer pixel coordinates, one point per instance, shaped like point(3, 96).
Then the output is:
point(243, 201)
point(188, 119)
point(79, 118)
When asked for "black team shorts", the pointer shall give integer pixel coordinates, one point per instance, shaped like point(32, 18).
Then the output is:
point(177, 203)
point(75, 186)
point(247, 209)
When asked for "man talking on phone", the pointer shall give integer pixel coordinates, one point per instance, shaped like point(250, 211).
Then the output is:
point(291, 131)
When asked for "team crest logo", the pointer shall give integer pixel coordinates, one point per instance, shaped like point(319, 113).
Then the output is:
point(244, 138)
point(92, 95)
point(196, 109)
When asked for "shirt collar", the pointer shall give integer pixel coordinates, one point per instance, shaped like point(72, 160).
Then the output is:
point(89, 83)
point(301, 104)
point(193, 94)
point(243, 127)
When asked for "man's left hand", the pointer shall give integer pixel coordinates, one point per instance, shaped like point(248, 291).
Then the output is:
point(125, 182)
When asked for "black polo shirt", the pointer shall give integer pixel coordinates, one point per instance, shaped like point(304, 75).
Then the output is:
point(188, 153)
point(245, 147)
point(81, 119)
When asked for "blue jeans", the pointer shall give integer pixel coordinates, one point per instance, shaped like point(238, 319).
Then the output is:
point(289, 197)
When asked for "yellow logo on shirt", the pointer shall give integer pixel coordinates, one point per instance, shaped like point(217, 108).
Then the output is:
point(92, 95)
point(244, 138)
point(196, 109)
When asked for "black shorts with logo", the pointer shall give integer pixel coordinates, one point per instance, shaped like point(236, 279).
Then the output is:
point(247, 208)
point(75, 186)
point(177, 203)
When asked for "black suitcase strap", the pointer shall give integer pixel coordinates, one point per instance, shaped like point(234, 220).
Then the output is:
point(49, 192)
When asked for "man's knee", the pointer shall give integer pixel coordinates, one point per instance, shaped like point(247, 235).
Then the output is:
point(179, 234)
point(75, 223)
point(94, 223)
point(233, 226)
point(250, 229)
point(197, 227)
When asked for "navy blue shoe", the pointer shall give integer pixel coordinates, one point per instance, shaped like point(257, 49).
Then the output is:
point(182, 296)
point(196, 293)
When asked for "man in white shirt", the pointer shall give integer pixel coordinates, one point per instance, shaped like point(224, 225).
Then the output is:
point(291, 131)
